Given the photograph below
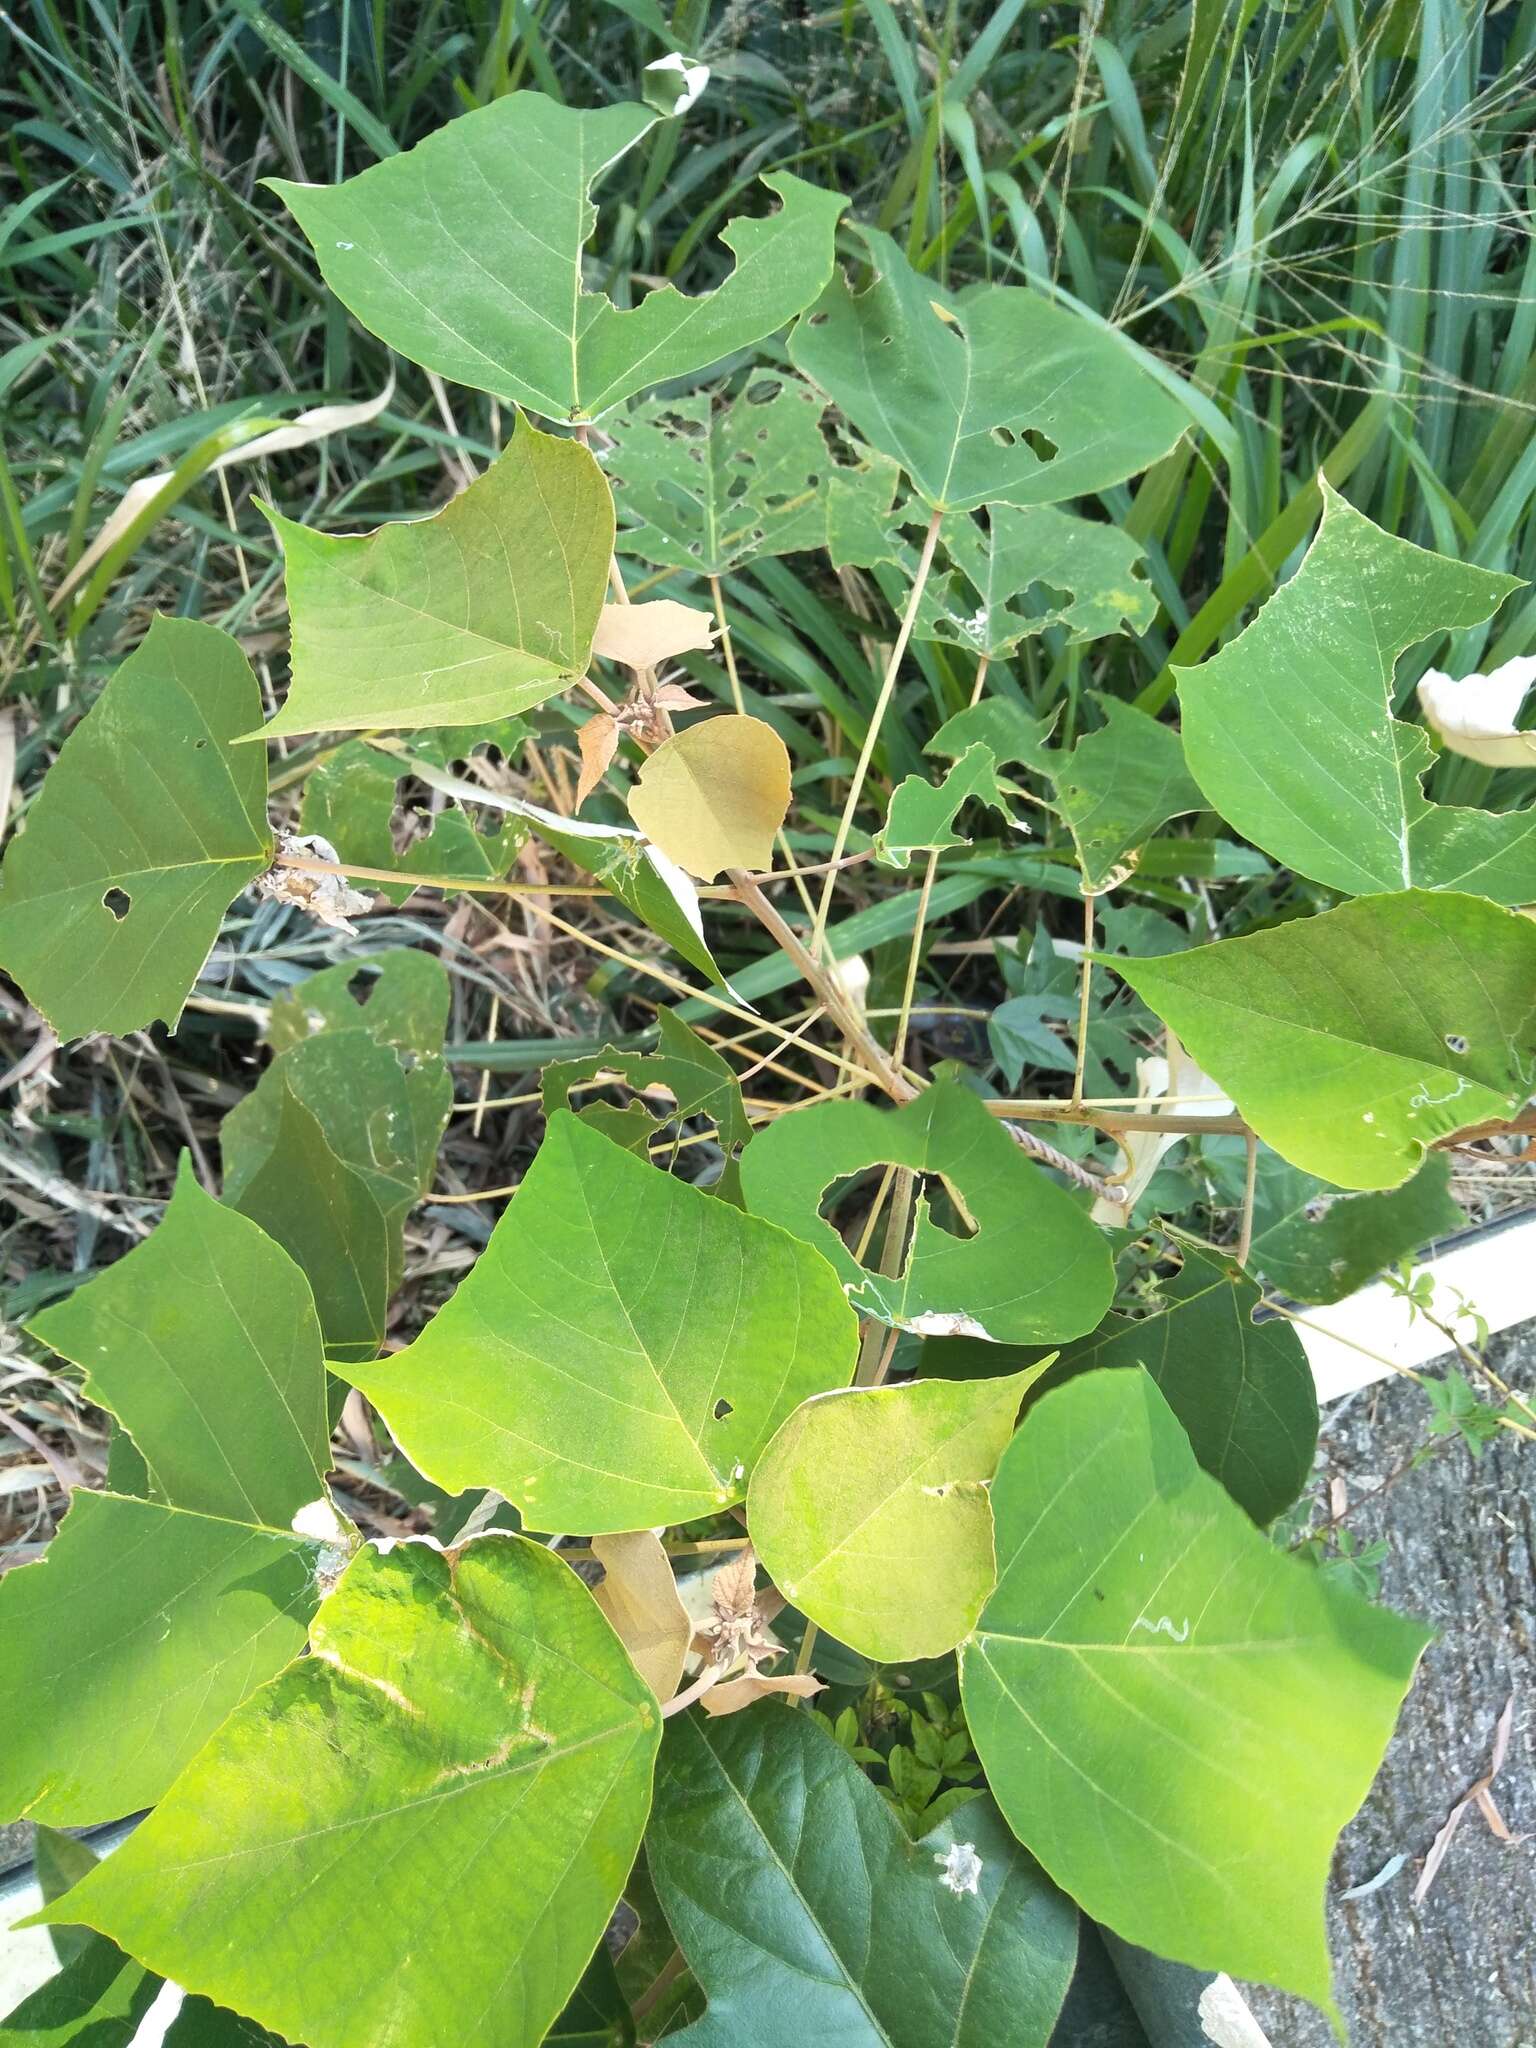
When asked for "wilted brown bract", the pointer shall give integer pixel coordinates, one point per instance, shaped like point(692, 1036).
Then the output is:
point(639, 1596)
point(645, 635)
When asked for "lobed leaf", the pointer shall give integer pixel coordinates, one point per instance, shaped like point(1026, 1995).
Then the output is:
point(1314, 1244)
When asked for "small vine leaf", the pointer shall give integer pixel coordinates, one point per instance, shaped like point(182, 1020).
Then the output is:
point(638, 1594)
point(621, 1352)
point(1161, 1698)
point(748, 1848)
point(349, 799)
point(401, 998)
point(480, 610)
point(148, 826)
point(204, 1343)
point(1242, 1391)
point(999, 724)
point(734, 1695)
point(1118, 785)
point(1075, 574)
point(1264, 718)
point(127, 1643)
point(1476, 716)
point(870, 1513)
point(511, 182)
point(643, 636)
point(1353, 1040)
point(1313, 1243)
point(922, 816)
point(599, 742)
point(997, 394)
point(468, 1712)
point(1035, 1271)
point(715, 796)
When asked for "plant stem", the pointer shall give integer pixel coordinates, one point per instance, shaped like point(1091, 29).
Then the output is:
point(1084, 999)
point(877, 719)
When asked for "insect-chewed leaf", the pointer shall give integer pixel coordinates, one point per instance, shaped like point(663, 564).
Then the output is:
point(1176, 1719)
point(1118, 785)
point(1020, 550)
point(1036, 1269)
point(1314, 1244)
point(1353, 1040)
point(714, 796)
point(149, 825)
point(204, 1343)
point(993, 394)
point(869, 1510)
point(1006, 730)
point(621, 1352)
point(349, 800)
point(465, 255)
point(1242, 1391)
point(329, 1153)
point(645, 635)
point(484, 609)
point(922, 814)
point(470, 1713)
point(954, 1941)
point(640, 1598)
point(400, 998)
point(1289, 729)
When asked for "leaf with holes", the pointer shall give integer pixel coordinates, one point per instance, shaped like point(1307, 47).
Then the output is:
point(1176, 1718)
point(150, 823)
point(794, 1889)
point(400, 998)
point(621, 1352)
point(469, 1712)
point(1290, 729)
point(714, 797)
point(465, 255)
point(1242, 1390)
point(1353, 1040)
point(1117, 786)
point(481, 610)
point(993, 394)
point(1071, 573)
point(1034, 1268)
point(1314, 1244)
point(869, 1510)
point(922, 814)
point(349, 800)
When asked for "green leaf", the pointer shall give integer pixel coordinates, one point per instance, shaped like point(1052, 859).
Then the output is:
point(484, 609)
point(1078, 574)
point(1175, 1718)
point(922, 815)
point(1314, 1244)
point(1289, 728)
point(621, 1352)
point(993, 394)
point(698, 1079)
point(400, 998)
point(147, 827)
point(466, 1720)
point(1242, 1391)
point(329, 1153)
point(1118, 785)
point(204, 1343)
point(349, 800)
point(998, 723)
point(705, 486)
point(795, 1892)
point(96, 2001)
point(128, 1642)
point(1036, 1269)
point(59, 1861)
point(869, 1510)
point(465, 255)
point(1353, 1040)
point(597, 2015)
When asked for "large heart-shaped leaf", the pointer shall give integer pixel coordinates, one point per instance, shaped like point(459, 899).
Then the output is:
point(621, 1352)
point(204, 1343)
point(148, 826)
point(1176, 1718)
point(795, 1892)
point(869, 1510)
point(996, 393)
point(1036, 1269)
point(484, 609)
point(1290, 731)
point(1314, 1244)
point(1353, 1040)
point(465, 254)
point(1242, 1391)
point(467, 1716)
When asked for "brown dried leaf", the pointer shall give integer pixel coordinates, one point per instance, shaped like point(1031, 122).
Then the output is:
point(736, 1693)
point(714, 796)
point(645, 635)
point(598, 740)
point(639, 1596)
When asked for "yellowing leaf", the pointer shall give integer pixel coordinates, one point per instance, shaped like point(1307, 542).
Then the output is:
point(599, 742)
point(753, 1686)
point(645, 635)
point(714, 796)
point(639, 1596)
